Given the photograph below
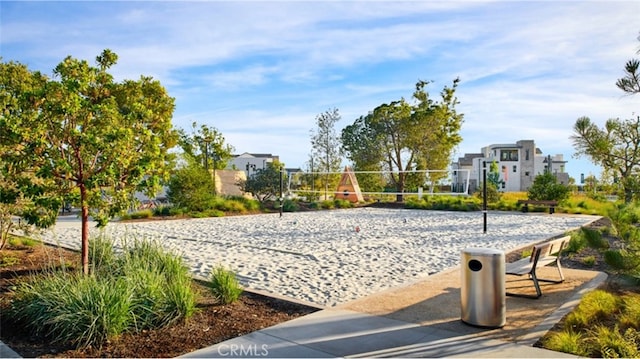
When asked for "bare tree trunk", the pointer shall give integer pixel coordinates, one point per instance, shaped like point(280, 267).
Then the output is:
point(85, 231)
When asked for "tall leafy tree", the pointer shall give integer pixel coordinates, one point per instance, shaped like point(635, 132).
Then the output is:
point(326, 147)
point(97, 137)
point(20, 194)
point(403, 137)
point(206, 145)
point(357, 141)
point(616, 148)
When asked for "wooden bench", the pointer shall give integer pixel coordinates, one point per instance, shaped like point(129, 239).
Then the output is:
point(542, 254)
point(525, 205)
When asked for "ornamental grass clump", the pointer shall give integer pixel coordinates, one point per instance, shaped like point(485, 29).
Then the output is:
point(142, 287)
point(224, 285)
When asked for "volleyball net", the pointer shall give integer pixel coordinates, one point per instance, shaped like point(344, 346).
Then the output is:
point(379, 183)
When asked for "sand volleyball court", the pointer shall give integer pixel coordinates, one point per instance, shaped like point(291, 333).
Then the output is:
point(332, 257)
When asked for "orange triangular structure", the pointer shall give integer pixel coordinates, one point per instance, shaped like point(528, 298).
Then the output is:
point(348, 187)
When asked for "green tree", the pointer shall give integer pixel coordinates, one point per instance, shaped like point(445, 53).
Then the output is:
point(493, 176)
point(206, 145)
point(95, 136)
point(357, 140)
point(20, 194)
point(326, 148)
point(400, 137)
point(545, 187)
point(630, 83)
point(190, 187)
point(616, 148)
point(264, 184)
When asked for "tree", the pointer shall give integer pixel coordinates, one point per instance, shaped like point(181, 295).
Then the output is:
point(92, 135)
point(190, 187)
point(545, 187)
point(630, 83)
point(264, 184)
point(400, 137)
point(206, 145)
point(493, 177)
point(20, 195)
point(616, 148)
point(357, 140)
point(326, 147)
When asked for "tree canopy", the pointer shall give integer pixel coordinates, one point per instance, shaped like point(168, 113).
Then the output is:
point(264, 184)
point(326, 148)
point(400, 137)
point(89, 136)
point(206, 145)
point(615, 147)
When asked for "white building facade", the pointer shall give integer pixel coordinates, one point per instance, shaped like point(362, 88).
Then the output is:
point(250, 162)
point(518, 165)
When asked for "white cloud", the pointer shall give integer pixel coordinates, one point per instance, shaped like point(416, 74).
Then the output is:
point(260, 71)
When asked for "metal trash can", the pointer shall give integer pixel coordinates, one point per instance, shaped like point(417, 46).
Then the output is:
point(483, 289)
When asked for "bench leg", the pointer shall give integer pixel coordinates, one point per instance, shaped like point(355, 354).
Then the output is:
point(538, 294)
point(551, 210)
point(559, 267)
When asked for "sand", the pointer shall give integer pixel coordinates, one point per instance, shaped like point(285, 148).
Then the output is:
point(331, 257)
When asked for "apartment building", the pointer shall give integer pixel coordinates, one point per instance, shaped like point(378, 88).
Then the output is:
point(518, 163)
point(250, 162)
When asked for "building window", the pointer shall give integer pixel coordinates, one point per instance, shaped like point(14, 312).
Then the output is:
point(526, 154)
point(526, 173)
point(508, 155)
point(515, 169)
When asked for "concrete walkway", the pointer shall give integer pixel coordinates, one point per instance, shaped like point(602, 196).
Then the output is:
point(349, 331)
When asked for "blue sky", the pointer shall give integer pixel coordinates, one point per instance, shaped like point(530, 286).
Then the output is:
point(261, 71)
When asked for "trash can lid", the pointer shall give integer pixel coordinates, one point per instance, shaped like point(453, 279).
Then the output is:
point(482, 251)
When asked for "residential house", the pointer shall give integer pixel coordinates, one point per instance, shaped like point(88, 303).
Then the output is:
point(518, 164)
point(250, 162)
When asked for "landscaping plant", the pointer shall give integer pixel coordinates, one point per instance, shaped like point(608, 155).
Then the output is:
point(224, 285)
point(143, 287)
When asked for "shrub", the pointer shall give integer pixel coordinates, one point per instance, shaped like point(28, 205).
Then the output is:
point(342, 203)
point(594, 238)
point(77, 309)
point(576, 243)
point(327, 204)
point(8, 260)
point(191, 187)
point(290, 206)
point(566, 342)
point(142, 287)
point(101, 255)
point(597, 305)
point(611, 343)
point(145, 213)
point(224, 285)
point(630, 316)
point(589, 261)
point(22, 241)
point(546, 187)
point(162, 211)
